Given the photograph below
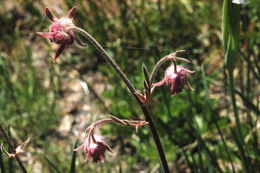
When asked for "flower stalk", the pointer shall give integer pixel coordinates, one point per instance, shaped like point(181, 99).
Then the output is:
point(95, 145)
point(172, 56)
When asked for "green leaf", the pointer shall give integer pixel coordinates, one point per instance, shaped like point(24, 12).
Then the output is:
point(230, 31)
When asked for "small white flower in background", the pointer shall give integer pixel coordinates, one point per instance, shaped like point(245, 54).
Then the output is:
point(239, 1)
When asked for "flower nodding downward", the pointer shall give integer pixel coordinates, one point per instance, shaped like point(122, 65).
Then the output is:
point(59, 31)
point(94, 148)
point(176, 78)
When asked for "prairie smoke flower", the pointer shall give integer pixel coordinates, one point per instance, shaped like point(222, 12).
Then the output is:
point(94, 148)
point(176, 79)
point(59, 32)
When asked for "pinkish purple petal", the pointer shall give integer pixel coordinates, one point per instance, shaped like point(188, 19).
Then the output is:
point(102, 157)
point(87, 157)
point(45, 34)
point(79, 148)
point(189, 86)
point(189, 71)
point(160, 83)
point(56, 26)
point(109, 149)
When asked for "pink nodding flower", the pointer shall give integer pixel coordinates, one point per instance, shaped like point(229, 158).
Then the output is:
point(95, 149)
point(59, 30)
point(176, 79)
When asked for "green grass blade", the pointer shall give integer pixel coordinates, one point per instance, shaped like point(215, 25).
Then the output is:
point(225, 25)
point(244, 159)
point(251, 66)
point(195, 167)
point(215, 118)
point(230, 29)
point(187, 160)
point(210, 154)
point(2, 162)
point(247, 102)
point(73, 159)
point(53, 166)
point(11, 165)
point(200, 152)
point(202, 143)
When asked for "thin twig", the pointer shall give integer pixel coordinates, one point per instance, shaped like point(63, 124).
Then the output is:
point(12, 148)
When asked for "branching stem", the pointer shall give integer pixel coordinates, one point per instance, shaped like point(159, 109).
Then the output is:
point(144, 108)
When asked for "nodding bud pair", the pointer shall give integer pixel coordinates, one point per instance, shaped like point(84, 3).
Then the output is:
point(60, 31)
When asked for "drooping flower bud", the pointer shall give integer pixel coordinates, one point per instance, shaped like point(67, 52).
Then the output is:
point(94, 148)
point(176, 79)
point(59, 31)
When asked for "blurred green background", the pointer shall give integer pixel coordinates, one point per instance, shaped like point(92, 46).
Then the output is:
point(214, 128)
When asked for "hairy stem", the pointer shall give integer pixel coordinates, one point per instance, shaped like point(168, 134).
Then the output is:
point(106, 56)
point(144, 108)
point(12, 148)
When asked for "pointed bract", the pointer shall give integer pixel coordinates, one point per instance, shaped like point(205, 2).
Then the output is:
point(79, 42)
point(59, 51)
point(50, 15)
point(72, 12)
point(45, 34)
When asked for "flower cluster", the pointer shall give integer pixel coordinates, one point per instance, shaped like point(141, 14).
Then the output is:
point(63, 32)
